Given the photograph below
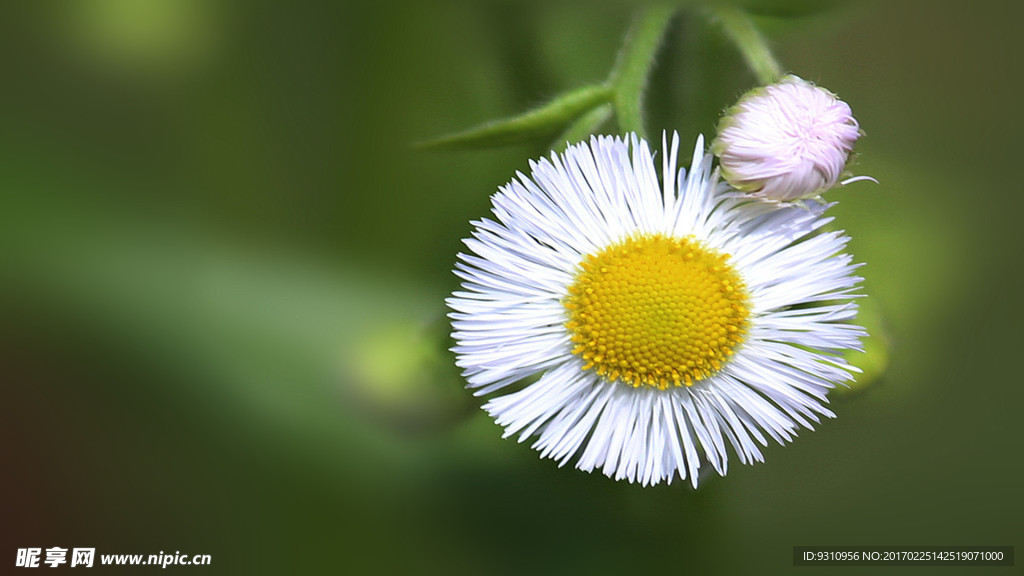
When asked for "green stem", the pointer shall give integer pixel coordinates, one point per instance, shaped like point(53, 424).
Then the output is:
point(628, 78)
point(741, 30)
point(583, 127)
point(542, 121)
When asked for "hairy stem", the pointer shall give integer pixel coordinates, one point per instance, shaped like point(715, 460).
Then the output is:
point(741, 30)
point(628, 79)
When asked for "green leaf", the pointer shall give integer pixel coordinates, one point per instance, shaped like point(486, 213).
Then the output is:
point(538, 122)
point(874, 360)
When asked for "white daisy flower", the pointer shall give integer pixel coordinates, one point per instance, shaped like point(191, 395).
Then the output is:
point(643, 327)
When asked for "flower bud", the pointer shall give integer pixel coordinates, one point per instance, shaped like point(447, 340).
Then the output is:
point(786, 141)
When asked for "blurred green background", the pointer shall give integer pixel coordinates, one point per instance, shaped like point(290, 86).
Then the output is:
point(222, 272)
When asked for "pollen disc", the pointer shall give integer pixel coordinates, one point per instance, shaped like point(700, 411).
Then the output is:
point(656, 311)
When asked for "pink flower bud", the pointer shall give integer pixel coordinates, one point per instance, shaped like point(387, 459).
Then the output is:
point(785, 142)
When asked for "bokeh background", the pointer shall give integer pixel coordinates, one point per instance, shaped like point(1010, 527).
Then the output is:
point(223, 265)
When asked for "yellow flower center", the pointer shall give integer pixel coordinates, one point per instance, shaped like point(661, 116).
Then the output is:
point(656, 311)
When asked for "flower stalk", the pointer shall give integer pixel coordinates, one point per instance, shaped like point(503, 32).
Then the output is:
point(628, 79)
point(738, 26)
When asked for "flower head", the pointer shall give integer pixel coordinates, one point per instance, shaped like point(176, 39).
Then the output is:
point(643, 326)
point(786, 141)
